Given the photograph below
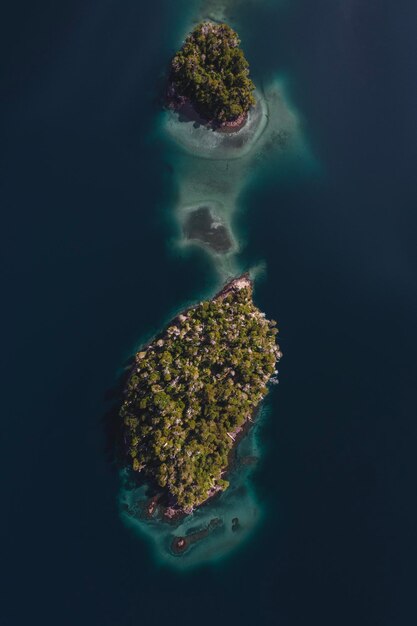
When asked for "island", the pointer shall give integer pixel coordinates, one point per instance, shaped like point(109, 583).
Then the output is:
point(192, 392)
point(209, 78)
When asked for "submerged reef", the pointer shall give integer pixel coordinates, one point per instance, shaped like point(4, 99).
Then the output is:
point(204, 226)
point(193, 390)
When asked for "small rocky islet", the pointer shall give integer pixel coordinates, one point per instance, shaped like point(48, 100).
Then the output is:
point(209, 78)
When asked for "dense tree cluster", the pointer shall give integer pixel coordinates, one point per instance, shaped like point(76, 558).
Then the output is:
point(211, 71)
point(193, 388)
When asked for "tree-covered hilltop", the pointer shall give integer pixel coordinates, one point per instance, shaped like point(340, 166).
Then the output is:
point(192, 389)
point(211, 71)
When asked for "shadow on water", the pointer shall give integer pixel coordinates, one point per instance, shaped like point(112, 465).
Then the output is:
point(115, 451)
point(111, 421)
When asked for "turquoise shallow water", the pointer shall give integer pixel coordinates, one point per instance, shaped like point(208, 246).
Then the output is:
point(238, 502)
point(91, 267)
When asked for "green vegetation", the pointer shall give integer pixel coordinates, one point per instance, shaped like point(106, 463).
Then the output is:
point(193, 388)
point(212, 72)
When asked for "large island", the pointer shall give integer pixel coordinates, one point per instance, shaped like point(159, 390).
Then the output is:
point(192, 390)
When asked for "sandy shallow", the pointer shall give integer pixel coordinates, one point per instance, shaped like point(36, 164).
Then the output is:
point(224, 10)
point(202, 225)
point(213, 168)
point(203, 142)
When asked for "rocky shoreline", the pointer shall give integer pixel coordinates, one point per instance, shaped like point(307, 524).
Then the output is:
point(187, 113)
point(181, 543)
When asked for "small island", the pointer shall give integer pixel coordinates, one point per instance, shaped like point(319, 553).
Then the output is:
point(209, 78)
point(193, 390)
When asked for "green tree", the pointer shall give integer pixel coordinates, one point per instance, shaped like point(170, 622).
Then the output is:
point(212, 72)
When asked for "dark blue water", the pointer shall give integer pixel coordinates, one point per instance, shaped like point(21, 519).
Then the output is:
point(87, 271)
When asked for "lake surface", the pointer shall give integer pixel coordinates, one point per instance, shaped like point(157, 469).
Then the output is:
point(90, 268)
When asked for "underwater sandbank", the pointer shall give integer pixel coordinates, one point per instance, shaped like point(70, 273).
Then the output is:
point(212, 168)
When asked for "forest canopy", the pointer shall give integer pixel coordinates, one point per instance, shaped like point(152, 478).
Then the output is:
point(211, 71)
point(192, 389)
